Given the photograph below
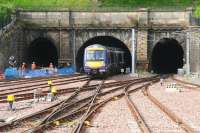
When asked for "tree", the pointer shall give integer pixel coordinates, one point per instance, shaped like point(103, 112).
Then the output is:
point(197, 11)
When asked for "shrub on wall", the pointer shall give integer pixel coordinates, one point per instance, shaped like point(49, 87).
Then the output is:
point(197, 11)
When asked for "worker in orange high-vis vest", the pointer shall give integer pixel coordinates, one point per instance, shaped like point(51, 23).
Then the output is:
point(33, 66)
point(23, 68)
point(51, 65)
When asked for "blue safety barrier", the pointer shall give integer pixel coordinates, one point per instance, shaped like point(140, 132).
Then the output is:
point(67, 70)
point(37, 73)
point(11, 73)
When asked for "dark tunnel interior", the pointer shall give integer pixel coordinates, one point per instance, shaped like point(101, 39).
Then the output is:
point(42, 51)
point(106, 41)
point(167, 56)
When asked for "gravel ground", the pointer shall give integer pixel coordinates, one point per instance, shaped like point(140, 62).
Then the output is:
point(26, 107)
point(114, 117)
point(22, 110)
point(185, 104)
point(192, 79)
point(24, 84)
point(119, 120)
point(156, 120)
point(70, 85)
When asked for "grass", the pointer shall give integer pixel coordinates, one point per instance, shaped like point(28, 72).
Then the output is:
point(147, 3)
point(87, 4)
point(6, 6)
point(26, 4)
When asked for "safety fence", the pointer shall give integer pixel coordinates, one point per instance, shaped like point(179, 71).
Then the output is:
point(11, 73)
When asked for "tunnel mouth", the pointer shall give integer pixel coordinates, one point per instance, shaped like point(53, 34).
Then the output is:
point(167, 56)
point(105, 41)
point(42, 51)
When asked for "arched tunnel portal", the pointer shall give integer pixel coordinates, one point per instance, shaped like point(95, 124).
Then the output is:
point(105, 41)
point(42, 51)
point(167, 56)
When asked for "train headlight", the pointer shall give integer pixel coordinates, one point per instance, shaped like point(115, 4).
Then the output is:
point(102, 70)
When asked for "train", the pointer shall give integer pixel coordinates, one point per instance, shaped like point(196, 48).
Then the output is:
point(102, 60)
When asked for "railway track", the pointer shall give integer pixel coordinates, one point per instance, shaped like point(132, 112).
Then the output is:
point(136, 114)
point(102, 103)
point(14, 90)
point(142, 124)
point(25, 94)
point(85, 108)
point(187, 84)
point(168, 112)
point(22, 80)
point(76, 108)
point(27, 91)
point(36, 80)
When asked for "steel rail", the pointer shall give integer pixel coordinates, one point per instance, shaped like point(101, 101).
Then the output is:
point(79, 126)
point(44, 84)
point(7, 81)
point(169, 113)
point(4, 126)
point(109, 99)
point(29, 95)
point(43, 79)
point(188, 83)
point(136, 114)
point(3, 95)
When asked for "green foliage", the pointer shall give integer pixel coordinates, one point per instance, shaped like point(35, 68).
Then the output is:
point(197, 11)
point(7, 6)
point(31, 4)
point(10, 5)
point(146, 3)
point(84, 4)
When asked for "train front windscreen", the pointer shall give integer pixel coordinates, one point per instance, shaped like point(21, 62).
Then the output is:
point(95, 55)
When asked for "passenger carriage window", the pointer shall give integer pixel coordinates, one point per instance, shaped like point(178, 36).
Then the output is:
point(117, 57)
point(112, 57)
point(109, 57)
point(120, 57)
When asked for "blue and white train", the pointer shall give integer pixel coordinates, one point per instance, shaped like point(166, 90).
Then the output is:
point(103, 60)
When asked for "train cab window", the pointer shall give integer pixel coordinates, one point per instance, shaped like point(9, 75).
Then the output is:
point(90, 55)
point(95, 55)
point(99, 55)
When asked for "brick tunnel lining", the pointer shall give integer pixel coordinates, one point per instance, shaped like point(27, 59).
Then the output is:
point(106, 41)
point(167, 56)
point(42, 51)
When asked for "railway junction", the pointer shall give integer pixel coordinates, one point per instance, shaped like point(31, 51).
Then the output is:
point(100, 71)
point(116, 104)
